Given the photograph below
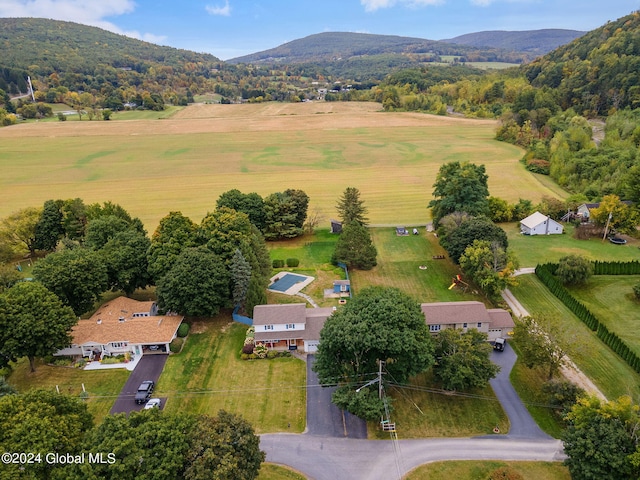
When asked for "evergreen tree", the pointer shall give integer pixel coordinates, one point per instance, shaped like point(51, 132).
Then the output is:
point(351, 208)
point(355, 248)
point(240, 277)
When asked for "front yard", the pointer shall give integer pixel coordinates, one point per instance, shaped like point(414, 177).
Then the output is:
point(208, 375)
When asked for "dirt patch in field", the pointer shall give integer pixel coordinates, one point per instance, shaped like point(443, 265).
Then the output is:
point(203, 118)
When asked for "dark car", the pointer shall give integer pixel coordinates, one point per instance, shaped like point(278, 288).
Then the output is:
point(144, 391)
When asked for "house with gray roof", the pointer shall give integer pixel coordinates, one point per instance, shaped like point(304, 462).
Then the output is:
point(494, 322)
point(289, 326)
point(540, 224)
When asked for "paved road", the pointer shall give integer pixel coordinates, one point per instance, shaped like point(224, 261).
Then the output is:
point(347, 459)
point(522, 424)
point(149, 368)
point(323, 417)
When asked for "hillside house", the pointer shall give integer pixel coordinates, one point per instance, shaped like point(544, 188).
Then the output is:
point(121, 326)
point(540, 224)
point(495, 322)
point(584, 210)
point(289, 326)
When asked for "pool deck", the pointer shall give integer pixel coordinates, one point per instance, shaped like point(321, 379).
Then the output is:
point(296, 287)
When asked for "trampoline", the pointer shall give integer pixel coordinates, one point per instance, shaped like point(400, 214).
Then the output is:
point(287, 281)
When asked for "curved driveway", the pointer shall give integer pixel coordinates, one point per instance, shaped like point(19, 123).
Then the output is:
point(323, 453)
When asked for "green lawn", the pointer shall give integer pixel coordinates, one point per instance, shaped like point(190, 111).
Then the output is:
point(609, 372)
point(532, 250)
point(271, 471)
point(184, 162)
point(399, 259)
point(610, 298)
point(479, 470)
point(208, 375)
point(103, 385)
point(422, 410)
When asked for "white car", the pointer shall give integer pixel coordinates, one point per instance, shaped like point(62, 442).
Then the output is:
point(152, 403)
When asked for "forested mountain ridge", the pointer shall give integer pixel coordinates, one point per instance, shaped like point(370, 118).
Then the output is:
point(330, 46)
point(598, 71)
point(537, 42)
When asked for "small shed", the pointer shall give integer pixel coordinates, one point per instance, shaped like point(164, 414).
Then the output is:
point(341, 286)
point(336, 226)
point(539, 224)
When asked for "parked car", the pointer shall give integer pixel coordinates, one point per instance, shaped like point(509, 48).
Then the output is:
point(499, 344)
point(152, 403)
point(144, 391)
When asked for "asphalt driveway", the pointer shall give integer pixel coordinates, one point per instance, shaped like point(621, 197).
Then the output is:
point(149, 368)
point(522, 424)
point(323, 417)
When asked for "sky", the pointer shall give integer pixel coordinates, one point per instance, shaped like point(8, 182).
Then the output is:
point(232, 28)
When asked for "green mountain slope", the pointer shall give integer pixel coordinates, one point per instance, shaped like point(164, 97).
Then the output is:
point(596, 72)
point(537, 42)
point(332, 46)
point(43, 46)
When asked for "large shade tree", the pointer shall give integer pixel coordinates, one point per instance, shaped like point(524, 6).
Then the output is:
point(18, 230)
point(33, 322)
point(250, 203)
point(378, 324)
point(77, 276)
point(285, 214)
point(45, 422)
point(460, 187)
point(463, 359)
point(174, 233)
point(196, 285)
point(479, 228)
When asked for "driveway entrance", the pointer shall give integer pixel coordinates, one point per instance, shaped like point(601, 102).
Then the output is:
point(149, 368)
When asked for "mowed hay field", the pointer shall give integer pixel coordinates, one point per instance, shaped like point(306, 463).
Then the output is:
point(152, 167)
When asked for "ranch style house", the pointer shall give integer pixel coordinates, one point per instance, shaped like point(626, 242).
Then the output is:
point(296, 327)
point(121, 326)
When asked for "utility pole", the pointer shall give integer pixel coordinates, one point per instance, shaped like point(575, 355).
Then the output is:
point(380, 365)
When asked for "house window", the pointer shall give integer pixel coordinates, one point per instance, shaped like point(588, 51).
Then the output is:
point(434, 328)
point(291, 326)
point(268, 327)
point(464, 325)
point(479, 324)
point(119, 344)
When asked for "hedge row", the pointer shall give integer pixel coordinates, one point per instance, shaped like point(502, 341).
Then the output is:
point(291, 262)
point(616, 268)
point(546, 275)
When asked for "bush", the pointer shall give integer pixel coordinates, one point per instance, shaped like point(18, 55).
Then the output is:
point(260, 350)
point(183, 330)
point(636, 291)
point(248, 347)
point(278, 263)
point(505, 473)
point(574, 270)
point(292, 262)
point(176, 345)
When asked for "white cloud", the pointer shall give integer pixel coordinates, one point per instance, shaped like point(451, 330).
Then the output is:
point(217, 10)
point(86, 12)
point(373, 5)
point(482, 3)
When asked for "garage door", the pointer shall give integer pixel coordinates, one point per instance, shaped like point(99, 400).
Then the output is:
point(311, 347)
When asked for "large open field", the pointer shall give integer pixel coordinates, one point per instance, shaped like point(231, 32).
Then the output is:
point(185, 162)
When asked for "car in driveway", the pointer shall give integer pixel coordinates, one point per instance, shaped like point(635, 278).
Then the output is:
point(144, 391)
point(152, 403)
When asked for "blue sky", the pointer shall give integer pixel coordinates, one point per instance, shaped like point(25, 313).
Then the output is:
point(231, 28)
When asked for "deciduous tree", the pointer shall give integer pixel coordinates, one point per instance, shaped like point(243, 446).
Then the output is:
point(480, 228)
point(125, 256)
point(250, 203)
point(574, 270)
point(197, 284)
point(18, 230)
point(463, 361)
point(490, 266)
point(77, 276)
point(539, 346)
point(41, 421)
point(377, 324)
point(49, 229)
point(174, 234)
point(33, 322)
point(460, 187)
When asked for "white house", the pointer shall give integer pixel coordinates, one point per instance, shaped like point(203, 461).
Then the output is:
point(289, 326)
point(120, 326)
point(539, 224)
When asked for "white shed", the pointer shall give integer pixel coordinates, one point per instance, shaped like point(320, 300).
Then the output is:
point(539, 224)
